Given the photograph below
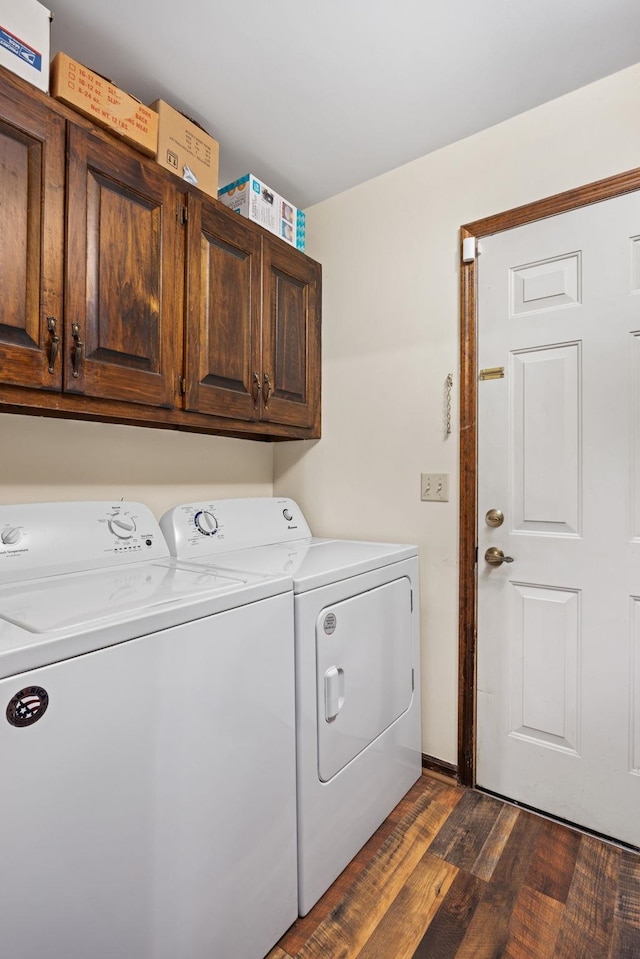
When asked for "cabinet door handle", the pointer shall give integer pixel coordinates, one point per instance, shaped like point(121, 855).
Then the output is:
point(78, 346)
point(55, 341)
point(255, 388)
point(266, 389)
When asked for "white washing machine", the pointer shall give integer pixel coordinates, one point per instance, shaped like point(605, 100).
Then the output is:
point(147, 742)
point(357, 667)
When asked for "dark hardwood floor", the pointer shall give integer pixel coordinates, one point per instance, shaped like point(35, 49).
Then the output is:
point(455, 874)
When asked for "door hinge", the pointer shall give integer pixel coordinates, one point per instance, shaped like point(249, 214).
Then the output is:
point(182, 385)
point(182, 214)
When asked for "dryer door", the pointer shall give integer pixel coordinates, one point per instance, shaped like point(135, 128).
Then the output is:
point(364, 671)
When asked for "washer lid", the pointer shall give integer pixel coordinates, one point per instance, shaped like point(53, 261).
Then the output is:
point(52, 619)
point(316, 562)
point(78, 600)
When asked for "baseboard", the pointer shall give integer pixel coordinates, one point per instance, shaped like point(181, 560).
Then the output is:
point(440, 768)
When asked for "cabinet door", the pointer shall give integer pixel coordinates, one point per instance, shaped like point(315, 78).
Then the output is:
point(32, 158)
point(222, 366)
point(121, 317)
point(290, 337)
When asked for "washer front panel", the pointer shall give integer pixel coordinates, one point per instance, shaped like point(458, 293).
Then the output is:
point(134, 826)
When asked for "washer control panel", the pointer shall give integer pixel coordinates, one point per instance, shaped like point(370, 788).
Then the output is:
point(204, 529)
point(11, 535)
point(122, 526)
point(39, 539)
point(206, 523)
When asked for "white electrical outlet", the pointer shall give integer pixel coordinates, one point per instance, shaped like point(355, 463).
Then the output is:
point(434, 487)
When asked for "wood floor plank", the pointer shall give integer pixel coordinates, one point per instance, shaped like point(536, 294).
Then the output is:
point(462, 838)
point(488, 930)
point(304, 927)
point(528, 888)
point(552, 867)
point(628, 897)
point(345, 931)
point(534, 926)
point(493, 847)
point(371, 847)
point(444, 935)
point(625, 942)
point(404, 923)
point(514, 862)
point(587, 926)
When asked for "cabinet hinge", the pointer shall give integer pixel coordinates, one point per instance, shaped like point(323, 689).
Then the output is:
point(182, 385)
point(182, 214)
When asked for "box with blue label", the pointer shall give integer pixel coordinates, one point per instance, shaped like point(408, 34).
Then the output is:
point(252, 198)
point(25, 38)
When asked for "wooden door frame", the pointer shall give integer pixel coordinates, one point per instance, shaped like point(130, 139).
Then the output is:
point(467, 630)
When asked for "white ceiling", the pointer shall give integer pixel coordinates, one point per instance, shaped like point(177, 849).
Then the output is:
point(315, 97)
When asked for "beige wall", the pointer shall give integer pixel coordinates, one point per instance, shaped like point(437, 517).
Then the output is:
point(389, 250)
point(46, 460)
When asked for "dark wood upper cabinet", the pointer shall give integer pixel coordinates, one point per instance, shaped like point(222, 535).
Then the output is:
point(290, 337)
point(120, 277)
point(252, 346)
point(222, 348)
point(32, 167)
point(129, 296)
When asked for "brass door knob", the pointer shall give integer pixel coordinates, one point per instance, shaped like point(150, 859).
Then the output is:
point(495, 557)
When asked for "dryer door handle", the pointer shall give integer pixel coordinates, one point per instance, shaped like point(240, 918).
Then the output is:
point(333, 692)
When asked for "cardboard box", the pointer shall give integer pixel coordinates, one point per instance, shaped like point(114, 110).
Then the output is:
point(252, 198)
point(25, 37)
point(104, 103)
point(186, 149)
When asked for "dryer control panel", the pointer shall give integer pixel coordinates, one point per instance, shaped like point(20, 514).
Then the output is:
point(40, 539)
point(215, 526)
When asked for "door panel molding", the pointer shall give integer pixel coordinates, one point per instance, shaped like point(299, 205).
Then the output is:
point(467, 631)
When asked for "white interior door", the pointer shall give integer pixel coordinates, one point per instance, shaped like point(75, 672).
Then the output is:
point(558, 682)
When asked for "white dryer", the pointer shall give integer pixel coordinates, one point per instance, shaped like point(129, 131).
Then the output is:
point(357, 667)
point(147, 736)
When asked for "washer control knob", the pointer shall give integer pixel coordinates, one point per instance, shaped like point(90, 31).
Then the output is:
point(122, 526)
point(11, 535)
point(206, 523)
point(288, 515)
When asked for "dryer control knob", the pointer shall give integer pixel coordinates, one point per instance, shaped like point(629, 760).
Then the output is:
point(206, 523)
point(122, 526)
point(288, 515)
point(11, 536)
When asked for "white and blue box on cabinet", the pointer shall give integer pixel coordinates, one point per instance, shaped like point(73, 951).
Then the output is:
point(25, 40)
point(252, 198)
